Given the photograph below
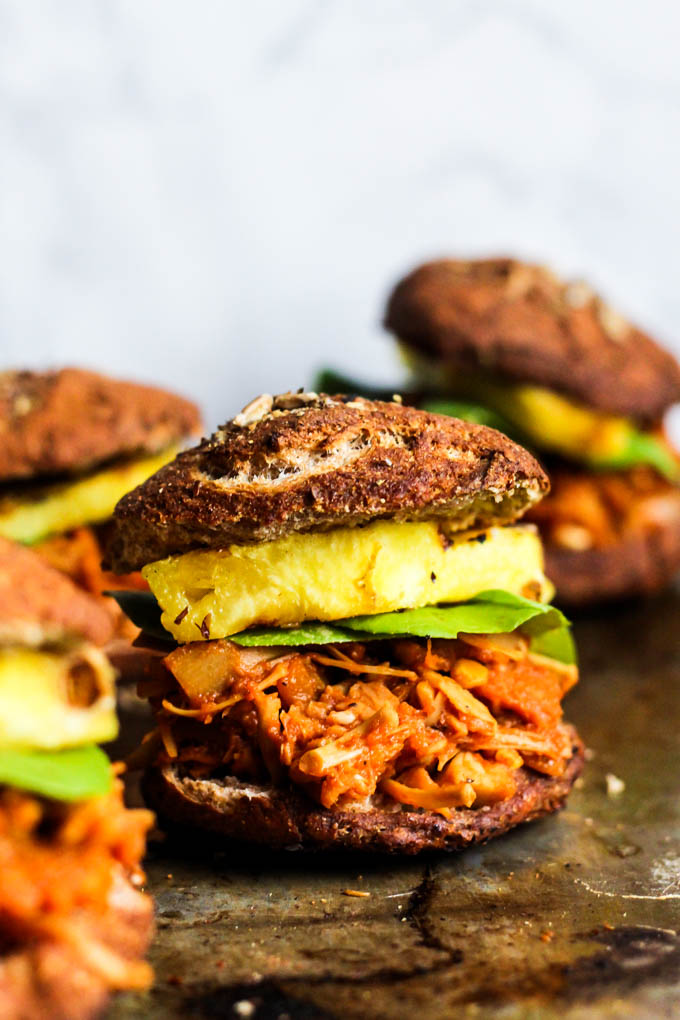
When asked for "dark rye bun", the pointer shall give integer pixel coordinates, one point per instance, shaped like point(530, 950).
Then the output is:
point(520, 323)
point(282, 818)
point(642, 563)
point(50, 979)
point(39, 605)
point(305, 462)
point(70, 420)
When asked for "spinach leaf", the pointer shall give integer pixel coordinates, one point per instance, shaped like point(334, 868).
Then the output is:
point(642, 448)
point(489, 612)
point(468, 411)
point(72, 774)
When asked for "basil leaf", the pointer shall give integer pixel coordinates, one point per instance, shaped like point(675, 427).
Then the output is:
point(490, 612)
point(556, 644)
point(468, 411)
point(306, 634)
point(329, 381)
point(72, 774)
point(642, 448)
point(141, 607)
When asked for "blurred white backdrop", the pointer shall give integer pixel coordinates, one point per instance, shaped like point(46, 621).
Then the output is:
point(217, 196)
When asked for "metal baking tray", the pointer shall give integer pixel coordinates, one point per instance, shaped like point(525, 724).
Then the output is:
point(577, 915)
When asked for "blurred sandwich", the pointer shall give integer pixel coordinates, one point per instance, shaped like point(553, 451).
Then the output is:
point(557, 368)
point(73, 443)
point(73, 925)
point(362, 653)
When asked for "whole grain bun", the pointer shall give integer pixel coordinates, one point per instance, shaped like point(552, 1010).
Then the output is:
point(51, 979)
point(39, 605)
point(306, 462)
point(285, 818)
point(642, 563)
point(519, 322)
point(68, 421)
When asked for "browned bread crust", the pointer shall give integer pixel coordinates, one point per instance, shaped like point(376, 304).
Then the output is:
point(302, 462)
point(519, 322)
point(68, 421)
point(640, 564)
point(285, 818)
point(50, 978)
point(38, 604)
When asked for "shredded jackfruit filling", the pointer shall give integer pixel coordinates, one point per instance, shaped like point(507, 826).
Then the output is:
point(58, 864)
point(593, 510)
point(436, 725)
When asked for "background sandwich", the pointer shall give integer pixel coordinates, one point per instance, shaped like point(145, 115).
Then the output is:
point(73, 443)
point(73, 925)
point(556, 367)
point(364, 655)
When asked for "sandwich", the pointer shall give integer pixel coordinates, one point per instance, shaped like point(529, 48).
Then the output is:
point(73, 443)
point(361, 652)
point(73, 923)
point(550, 363)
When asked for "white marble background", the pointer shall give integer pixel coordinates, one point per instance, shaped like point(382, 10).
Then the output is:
point(216, 195)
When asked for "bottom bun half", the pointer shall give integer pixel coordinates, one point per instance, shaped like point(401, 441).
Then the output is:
point(278, 817)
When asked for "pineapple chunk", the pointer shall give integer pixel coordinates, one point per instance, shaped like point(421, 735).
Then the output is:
point(65, 505)
point(330, 575)
point(53, 700)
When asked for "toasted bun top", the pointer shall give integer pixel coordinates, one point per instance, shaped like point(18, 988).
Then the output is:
point(38, 605)
point(304, 462)
point(520, 322)
point(68, 421)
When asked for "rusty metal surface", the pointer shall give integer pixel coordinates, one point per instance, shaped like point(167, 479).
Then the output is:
point(574, 916)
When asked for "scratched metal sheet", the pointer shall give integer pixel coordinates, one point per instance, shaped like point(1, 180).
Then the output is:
point(575, 916)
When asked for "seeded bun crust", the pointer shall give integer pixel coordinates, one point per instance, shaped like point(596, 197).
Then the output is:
point(50, 979)
point(283, 818)
point(40, 605)
point(69, 421)
point(519, 322)
point(642, 564)
point(306, 462)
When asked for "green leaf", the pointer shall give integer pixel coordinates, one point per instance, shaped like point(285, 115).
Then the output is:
point(556, 644)
point(73, 774)
point(329, 381)
point(468, 411)
point(141, 607)
point(490, 612)
point(642, 448)
point(305, 634)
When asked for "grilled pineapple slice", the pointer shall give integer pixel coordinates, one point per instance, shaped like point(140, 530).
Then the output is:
point(330, 575)
point(53, 700)
point(65, 505)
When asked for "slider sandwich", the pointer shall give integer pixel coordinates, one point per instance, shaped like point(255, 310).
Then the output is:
point(550, 363)
point(73, 924)
point(362, 650)
point(73, 443)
